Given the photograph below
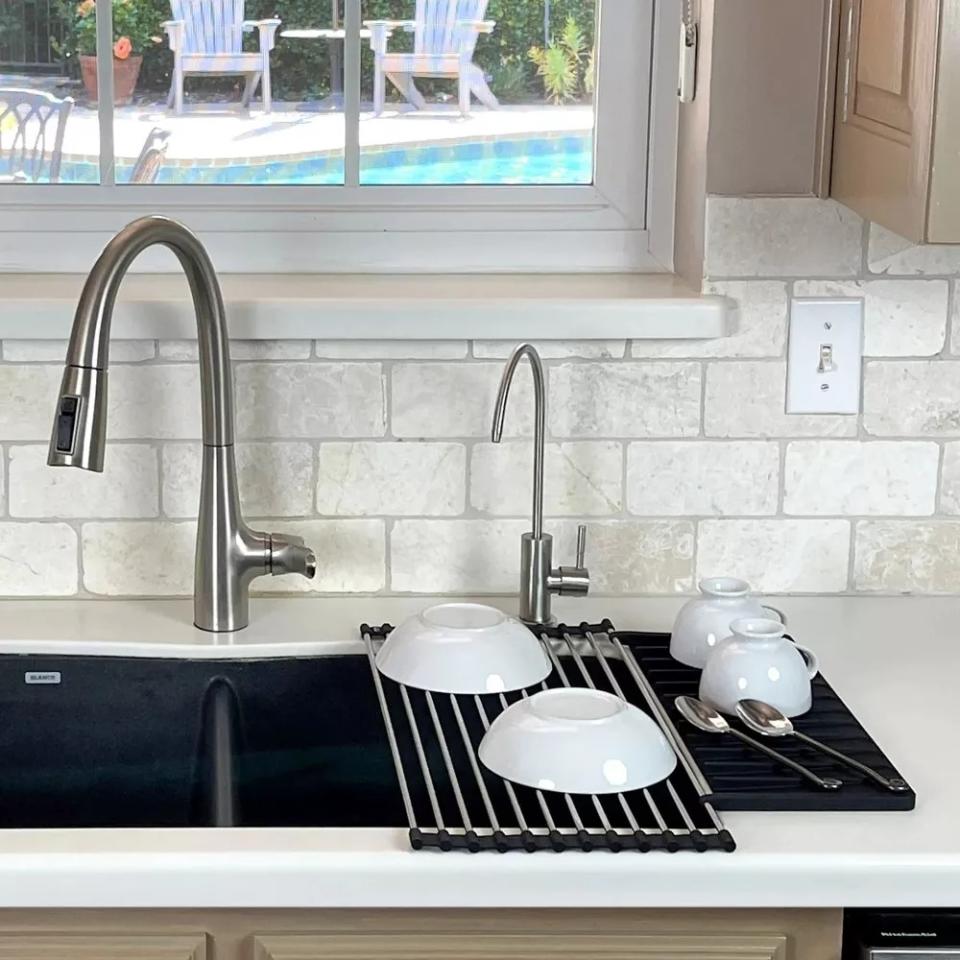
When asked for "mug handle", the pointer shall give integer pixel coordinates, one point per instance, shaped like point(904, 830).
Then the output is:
point(813, 662)
point(779, 614)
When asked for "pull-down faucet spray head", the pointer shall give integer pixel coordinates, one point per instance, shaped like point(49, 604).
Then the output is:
point(80, 424)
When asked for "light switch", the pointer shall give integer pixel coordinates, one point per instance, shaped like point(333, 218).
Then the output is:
point(825, 356)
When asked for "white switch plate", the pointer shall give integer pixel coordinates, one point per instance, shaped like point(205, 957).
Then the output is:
point(825, 333)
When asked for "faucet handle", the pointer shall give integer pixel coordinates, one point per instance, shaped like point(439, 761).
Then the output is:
point(289, 554)
point(573, 581)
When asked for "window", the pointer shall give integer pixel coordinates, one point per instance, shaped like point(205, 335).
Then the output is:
point(381, 135)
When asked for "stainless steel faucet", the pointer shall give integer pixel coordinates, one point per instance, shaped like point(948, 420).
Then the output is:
point(538, 579)
point(229, 554)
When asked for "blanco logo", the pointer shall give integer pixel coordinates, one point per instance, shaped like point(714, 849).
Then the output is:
point(42, 677)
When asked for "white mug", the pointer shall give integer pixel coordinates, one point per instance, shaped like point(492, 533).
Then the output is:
point(760, 663)
point(705, 620)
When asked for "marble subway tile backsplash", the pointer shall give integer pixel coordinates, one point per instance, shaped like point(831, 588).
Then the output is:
point(746, 398)
point(128, 487)
point(275, 479)
point(391, 479)
point(677, 454)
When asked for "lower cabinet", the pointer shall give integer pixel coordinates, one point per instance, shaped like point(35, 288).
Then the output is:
point(65, 945)
point(420, 935)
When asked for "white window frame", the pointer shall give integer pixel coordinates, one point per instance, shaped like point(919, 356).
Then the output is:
point(622, 223)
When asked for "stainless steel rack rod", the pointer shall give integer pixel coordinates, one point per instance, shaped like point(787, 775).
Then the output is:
point(618, 690)
point(666, 724)
point(391, 735)
point(448, 763)
point(598, 805)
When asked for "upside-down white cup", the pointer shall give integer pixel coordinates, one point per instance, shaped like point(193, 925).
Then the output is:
point(758, 662)
point(705, 620)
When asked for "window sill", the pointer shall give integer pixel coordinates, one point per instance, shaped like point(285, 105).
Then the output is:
point(383, 307)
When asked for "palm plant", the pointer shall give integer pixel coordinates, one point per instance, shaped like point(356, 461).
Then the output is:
point(560, 65)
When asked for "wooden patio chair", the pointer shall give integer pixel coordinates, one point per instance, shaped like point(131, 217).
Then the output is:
point(32, 125)
point(445, 34)
point(206, 37)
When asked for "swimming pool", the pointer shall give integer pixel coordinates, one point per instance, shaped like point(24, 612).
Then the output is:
point(566, 159)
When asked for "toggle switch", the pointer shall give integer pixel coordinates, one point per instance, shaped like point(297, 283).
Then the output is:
point(825, 356)
point(826, 364)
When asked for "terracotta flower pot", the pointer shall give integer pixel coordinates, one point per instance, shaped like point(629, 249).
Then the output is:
point(125, 76)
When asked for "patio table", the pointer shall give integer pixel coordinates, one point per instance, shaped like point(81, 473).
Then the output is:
point(336, 37)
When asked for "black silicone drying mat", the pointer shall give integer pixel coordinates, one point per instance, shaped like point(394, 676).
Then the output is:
point(453, 803)
point(743, 779)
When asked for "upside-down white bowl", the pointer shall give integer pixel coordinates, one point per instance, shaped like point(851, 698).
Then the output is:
point(463, 648)
point(577, 740)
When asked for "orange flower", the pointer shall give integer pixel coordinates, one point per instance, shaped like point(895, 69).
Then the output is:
point(86, 7)
point(122, 48)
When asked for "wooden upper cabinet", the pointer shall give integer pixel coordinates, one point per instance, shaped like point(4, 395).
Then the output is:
point(897, 124)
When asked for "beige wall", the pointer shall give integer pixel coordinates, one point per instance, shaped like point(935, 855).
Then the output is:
point(765, 97)
point(761, 123)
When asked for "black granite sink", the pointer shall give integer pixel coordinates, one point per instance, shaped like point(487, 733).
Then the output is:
point(136, 742)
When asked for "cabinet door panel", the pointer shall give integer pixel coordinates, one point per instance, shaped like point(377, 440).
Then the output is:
point(883, 132)
point(883, 60)
point(884, 39)
point(94, 946)
point(665, 946)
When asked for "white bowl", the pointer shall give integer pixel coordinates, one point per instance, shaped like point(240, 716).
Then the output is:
point(575, 740)
point(463, 648)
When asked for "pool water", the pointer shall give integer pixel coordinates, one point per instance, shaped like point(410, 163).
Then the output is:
point(546, 160)
point(529, 161)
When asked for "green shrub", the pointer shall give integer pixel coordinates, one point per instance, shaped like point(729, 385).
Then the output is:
point(561, 65)
point(510, 81)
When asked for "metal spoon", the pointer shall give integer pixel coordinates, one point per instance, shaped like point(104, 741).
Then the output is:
point(705, 718)
point(769, 721)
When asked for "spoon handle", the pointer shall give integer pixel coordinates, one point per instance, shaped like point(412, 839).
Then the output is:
point(824, 784)
point(895, 784)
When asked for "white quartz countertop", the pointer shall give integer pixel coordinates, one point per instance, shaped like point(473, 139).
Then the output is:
point(895, 661)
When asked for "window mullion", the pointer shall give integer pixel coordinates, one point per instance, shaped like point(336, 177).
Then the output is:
point(105, 90)
point(351, 102)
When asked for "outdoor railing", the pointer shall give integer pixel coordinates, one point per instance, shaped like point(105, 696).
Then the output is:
point(26, 29)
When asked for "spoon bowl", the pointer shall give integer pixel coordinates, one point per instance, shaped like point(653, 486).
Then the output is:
point(702, 716)
point(763, 718)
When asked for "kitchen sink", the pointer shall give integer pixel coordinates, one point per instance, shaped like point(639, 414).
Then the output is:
point(138, 742)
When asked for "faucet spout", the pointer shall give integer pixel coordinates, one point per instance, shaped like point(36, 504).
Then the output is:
point(538, 577)
point(539, 422)
point(229, 554)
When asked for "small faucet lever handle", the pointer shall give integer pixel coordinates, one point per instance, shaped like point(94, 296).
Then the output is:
point(573, 581)
point(289, 554)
